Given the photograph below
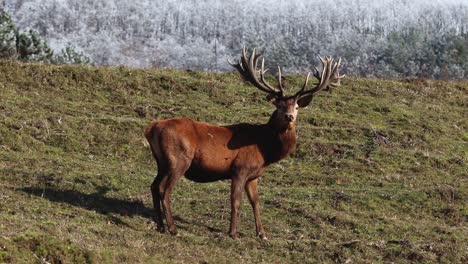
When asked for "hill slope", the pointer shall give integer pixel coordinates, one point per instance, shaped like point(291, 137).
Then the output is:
point(379, 173)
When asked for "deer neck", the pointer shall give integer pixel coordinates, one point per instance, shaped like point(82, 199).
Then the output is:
point(284, 139)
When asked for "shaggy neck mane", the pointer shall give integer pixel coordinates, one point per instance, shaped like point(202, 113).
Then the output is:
point(284, 139)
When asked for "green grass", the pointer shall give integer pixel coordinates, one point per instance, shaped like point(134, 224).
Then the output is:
point(379, 175)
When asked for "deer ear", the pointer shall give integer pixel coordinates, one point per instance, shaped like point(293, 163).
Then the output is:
point(305, 101)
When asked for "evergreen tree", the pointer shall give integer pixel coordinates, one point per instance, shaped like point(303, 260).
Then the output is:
point(8, 34)
point(30, 47)
point(69, 55)
point(386, 38)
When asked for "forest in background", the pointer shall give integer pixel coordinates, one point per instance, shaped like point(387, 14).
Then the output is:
point(389, 38)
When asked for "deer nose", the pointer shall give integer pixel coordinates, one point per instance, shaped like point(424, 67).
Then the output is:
point(290, 118)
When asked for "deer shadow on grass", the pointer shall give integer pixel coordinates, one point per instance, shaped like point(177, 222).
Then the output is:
point(97, 202)
point(107, 206)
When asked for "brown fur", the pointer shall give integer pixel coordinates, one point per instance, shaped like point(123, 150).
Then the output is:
point(206, 153)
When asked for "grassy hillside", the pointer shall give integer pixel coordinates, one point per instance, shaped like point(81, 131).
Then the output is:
point(379, 175)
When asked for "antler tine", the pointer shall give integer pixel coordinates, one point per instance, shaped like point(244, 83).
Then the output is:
point(252, 63)
point(264, 82)
point(304, 86)
point(329, 73)
point(239, 64)
point(257, 56)
point(325, 69)
point(247, 67)
point(253, 66)
point(328, 77)
point(337, 70)
point(306, 81)
point(262, 71)
point(262, 78)
point(316, 73)
point(336, 75)
point(279, 80)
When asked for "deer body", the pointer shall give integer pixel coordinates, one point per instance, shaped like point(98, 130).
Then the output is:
point(216, 152)
point(240, 152)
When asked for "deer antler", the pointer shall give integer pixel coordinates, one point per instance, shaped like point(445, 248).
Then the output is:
point(328, 78)
point(247, 67)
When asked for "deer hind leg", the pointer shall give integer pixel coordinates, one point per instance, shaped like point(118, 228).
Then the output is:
point(166, 187)
point(155, 192)
point(159, 180)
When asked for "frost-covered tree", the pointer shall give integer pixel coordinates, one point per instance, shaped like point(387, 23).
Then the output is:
point(7, 36)
point(31, 47)
point(393, 38)
point(25, 46)
point(69, 55)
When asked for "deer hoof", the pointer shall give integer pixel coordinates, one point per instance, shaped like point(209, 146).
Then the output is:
point(262, 236)
point(160, 228)
point(234, 236)
point(173, 231)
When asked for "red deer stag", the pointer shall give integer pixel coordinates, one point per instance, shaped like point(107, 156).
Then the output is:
point(240, 152)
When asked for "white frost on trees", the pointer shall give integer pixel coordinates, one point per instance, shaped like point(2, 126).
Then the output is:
point(200, 34)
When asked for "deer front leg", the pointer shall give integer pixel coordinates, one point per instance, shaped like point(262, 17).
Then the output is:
point(252, 194)
point(237, 185)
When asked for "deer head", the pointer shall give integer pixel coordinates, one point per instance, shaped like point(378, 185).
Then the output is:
point(287, 106)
